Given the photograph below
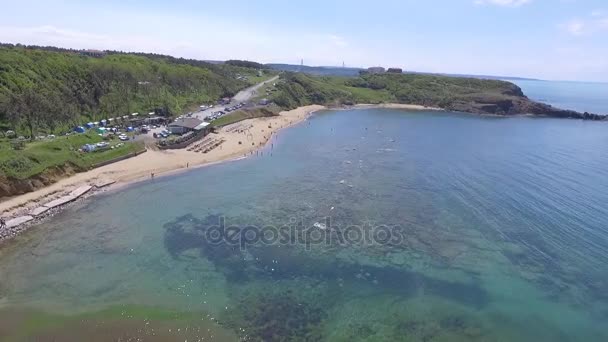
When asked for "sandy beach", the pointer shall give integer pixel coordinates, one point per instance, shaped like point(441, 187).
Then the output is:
point(240, 140)
point(252, 134)
point(396, 106)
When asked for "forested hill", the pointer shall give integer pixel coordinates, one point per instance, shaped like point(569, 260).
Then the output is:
point(478, 96)
point(43, 90)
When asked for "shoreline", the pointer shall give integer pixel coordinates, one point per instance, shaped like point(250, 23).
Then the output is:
point(395, 106)
point(251, 136)
point(242, 140)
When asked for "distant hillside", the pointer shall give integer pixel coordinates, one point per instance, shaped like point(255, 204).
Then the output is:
point(353, 72)
point(485, 77)
point(479, 96)
point(316, 70)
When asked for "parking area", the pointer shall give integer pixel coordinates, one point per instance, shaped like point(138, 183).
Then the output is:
point(206, 112)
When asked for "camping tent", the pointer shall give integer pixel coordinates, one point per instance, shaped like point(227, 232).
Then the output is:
point(79, 129)
point(89, 147)
point(129, 129)
point(90, 125)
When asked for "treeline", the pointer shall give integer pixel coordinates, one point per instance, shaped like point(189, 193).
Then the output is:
point(216, 67)
point(46, 89)
point(246, 64)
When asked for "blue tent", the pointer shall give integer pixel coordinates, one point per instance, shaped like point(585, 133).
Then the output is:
point(129, 129)
point(90, 125)
point(79, 129)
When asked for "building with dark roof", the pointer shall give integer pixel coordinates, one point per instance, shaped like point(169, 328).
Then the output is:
point(93, 53)
point(185, 125)
point(376, 70)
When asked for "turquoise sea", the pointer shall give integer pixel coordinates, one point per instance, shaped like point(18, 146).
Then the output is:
point(357, 225)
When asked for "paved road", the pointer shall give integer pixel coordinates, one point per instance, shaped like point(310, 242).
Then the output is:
point(242, 96)
point(246, 94)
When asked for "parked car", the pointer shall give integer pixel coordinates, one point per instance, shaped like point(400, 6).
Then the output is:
point(123, 137)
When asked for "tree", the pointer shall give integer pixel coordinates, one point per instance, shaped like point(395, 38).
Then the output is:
point(29, 108)
point(57, 110)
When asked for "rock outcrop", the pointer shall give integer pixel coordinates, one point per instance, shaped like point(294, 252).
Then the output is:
point(513, 101)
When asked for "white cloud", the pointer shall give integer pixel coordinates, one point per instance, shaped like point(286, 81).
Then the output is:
point(503, 3)
point(575, 27)
point(337, 40)
point(594, 23)
point(244, 43)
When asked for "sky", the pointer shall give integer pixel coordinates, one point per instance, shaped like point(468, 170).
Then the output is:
point(546, 39)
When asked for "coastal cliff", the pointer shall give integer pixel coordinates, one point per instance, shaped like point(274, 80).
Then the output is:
point(10, 186)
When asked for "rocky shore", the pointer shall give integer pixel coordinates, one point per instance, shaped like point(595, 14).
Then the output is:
point(512, 101)
point(22, 218)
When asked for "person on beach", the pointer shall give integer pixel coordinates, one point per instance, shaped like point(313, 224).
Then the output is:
point(2, 223)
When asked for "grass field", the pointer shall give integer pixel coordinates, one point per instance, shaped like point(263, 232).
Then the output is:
point(40, 155)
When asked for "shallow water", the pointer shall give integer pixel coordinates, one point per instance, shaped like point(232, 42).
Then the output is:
point(380, 225)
